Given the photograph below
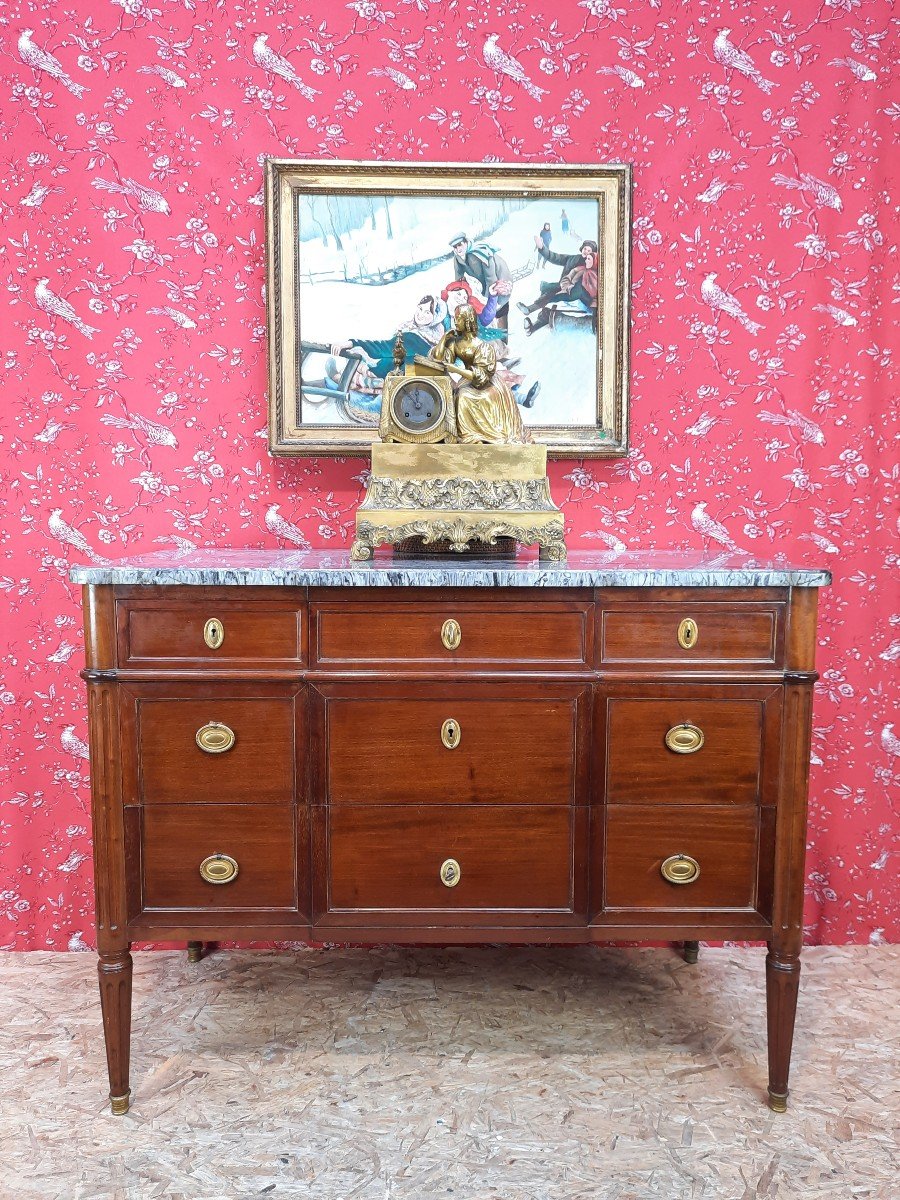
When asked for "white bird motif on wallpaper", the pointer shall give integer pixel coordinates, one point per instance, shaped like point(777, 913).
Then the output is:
point(809, 431)
point(890, 743)
point(704, 423)
point(172, 78)
point(615, 544)
point(55, 306)
point(70, 537)
point(63, 653)
point(861, 71)
point(148, 199)
point(181, 319)
point(284, 529)
point(839, 314)
point(822, 193)
point(823, 543)
point(72, 743)
point(402, 81)
point(51, 431)
point(729, 56)
point(38, 195)
point(504, 64)
point(628, 77)
point(264, 56)
point(721, 301)
point(156, 435)
point(715, 190)
point(42, 60)
point(705, 525)
point(892, 654)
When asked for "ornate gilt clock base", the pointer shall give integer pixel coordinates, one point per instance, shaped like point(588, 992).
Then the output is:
point(464, 494)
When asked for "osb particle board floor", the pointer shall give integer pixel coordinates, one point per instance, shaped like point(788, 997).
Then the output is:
point(515, 1074)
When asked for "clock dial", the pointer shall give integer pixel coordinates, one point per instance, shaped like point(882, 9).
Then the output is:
point(417, 406)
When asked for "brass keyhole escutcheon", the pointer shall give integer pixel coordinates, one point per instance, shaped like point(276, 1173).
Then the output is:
point(688, 633)
point(215, 738)
point(680, 868)
point(450, 872)
point(451, 734)
point(685, 739)
point(451, 634)
point(214, 633)
point(219, 868)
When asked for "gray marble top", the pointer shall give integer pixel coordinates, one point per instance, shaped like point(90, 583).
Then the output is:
point(327, 568)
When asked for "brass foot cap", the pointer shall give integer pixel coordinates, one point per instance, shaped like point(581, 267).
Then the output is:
point(691, 955)
point(195, 952)
point(778, 1102)
point(119, 1104)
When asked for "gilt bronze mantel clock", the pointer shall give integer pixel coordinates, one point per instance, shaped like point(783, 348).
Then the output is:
point(455, 469)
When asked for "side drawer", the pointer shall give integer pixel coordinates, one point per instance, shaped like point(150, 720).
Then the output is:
point(176, 839)
point(722, 840)
point(450, 635)
point(692, 633)
point(389, 859)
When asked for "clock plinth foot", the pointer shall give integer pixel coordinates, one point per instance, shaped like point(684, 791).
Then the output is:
point(360, 550)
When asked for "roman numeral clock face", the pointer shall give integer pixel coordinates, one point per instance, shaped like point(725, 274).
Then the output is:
point(417, 406)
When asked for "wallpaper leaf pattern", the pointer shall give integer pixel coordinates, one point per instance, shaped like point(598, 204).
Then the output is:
point(764, 330)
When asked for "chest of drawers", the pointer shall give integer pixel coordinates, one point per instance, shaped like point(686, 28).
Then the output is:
point(302, 748)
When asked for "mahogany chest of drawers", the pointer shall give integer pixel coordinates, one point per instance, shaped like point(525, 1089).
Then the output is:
point(559, 754)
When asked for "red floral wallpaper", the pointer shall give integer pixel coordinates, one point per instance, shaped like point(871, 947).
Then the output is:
point(133, 344)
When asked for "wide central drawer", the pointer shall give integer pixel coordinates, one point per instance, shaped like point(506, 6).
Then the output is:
point(451, 635)
point(449, 858)
point(451, 747)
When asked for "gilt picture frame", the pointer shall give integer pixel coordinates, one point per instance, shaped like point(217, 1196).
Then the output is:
point(357, 252)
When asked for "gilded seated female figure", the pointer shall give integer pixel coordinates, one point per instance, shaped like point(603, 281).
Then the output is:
point(486, 410)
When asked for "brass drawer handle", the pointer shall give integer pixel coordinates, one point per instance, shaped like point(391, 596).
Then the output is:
point(688, 633)
point(451, 734)
point(451, 634)
point(450, 872)
point(680, 868)
point(214, 633)
point(215, 738)
point(685, 739)
point(219, 868)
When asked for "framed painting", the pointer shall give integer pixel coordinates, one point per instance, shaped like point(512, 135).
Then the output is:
point(357, 252)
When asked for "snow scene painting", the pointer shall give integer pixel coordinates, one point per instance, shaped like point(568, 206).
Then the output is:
point(368, 266)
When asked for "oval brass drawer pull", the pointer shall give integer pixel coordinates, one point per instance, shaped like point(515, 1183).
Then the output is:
point(688, 633)
point(685, 739)
point(451, 634)
point(219, 868)
point(214, 633)
point(215, 738)
point(451, 734)
point(450, 872)
point(680, 868)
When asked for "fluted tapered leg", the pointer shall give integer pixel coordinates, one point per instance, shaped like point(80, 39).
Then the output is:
point(114, 971)
point(782, 987)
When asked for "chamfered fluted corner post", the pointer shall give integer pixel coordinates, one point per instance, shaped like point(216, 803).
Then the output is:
point(691, 952)
point(114, 972)
point(194, 952)
point(108, 825)
point(783, 960)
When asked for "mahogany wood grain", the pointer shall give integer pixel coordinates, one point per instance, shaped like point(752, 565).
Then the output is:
point(259, 768)
point(177, 838)
point(403, 635)
point(385, 749)
point(722, 839)
point(388, 858)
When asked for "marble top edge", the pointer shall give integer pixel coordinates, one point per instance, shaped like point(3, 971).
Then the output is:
point(323, 568)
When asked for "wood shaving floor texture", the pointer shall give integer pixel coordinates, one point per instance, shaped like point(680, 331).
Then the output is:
point(460, 1074)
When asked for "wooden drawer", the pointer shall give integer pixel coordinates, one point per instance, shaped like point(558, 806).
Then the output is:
point(723, 840)
point(171, 768)
point(389, 858)
point(369, 633)
point(166, 634)
point(386, 746)
point(641, 768)
point(177, 838)
point(722, 634)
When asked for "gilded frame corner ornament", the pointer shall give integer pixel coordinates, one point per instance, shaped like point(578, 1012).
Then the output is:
point(610, 185)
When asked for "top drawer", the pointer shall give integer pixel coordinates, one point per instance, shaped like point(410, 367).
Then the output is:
point(436, 635)
point(208, 632)
point(687, 634)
